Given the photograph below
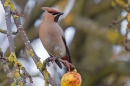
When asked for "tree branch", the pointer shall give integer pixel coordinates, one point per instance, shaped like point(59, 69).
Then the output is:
point(12, 58)
point(32, 34)
point(9, 74)
point(5, 32)
point(21, 32)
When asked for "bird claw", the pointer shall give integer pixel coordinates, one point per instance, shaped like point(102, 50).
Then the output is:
point(47, 61)
point(68, 65)
point(53, 59)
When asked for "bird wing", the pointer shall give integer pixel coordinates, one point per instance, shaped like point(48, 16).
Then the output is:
point(67, 57)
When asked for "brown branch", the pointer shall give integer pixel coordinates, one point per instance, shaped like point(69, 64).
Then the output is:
point(5, 32)
point(26, 74)
point(32, 34)
point(8, 23)
point(117, 21)
point(12, 58)
point(9, 74)
point(21, 32)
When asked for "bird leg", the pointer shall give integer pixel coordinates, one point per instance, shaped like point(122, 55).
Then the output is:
point(68, 65)
point(50, 59)
point(53, 59)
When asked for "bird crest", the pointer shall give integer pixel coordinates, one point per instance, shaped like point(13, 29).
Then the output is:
point(49, 9)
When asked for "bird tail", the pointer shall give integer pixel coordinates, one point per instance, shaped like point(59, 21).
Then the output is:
point(58, 63)
point(67, 57)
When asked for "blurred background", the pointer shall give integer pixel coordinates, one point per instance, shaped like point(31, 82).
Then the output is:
point(94, 31)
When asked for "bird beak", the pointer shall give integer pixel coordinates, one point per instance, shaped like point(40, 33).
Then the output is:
point(60, 13)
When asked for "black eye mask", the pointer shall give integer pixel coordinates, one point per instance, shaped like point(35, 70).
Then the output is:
point(53, 13)
point(58, 14)
point(57, 18)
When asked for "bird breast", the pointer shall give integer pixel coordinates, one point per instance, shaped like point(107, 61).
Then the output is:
point(51, 38)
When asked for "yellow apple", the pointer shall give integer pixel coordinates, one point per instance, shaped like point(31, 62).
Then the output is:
point(71, 78)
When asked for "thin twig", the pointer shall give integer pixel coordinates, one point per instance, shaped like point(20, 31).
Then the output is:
point(5, 32)
point(9, 74)
point(116, 22)
point(26, 74)
point(8, 23)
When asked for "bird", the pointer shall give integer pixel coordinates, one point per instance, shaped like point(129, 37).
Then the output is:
point(53, 38)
